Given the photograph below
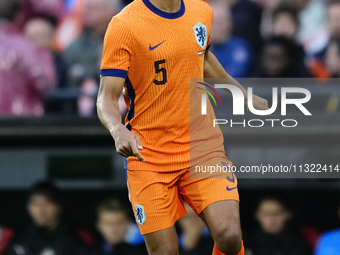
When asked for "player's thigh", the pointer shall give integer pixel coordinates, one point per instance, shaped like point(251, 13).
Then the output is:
point(202, 190)
point(163, 242)
point(155, 199)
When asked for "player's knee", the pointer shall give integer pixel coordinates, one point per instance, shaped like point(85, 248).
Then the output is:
point(228, 238)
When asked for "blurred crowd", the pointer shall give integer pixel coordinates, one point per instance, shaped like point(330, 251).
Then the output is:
point(50, 50)
point(116, 233)
point(48, 233)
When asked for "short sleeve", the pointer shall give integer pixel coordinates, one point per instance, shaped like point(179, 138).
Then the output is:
point(117, 50)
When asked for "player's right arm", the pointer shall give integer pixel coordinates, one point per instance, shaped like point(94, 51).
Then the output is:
point(116, 60)
point(127, 143)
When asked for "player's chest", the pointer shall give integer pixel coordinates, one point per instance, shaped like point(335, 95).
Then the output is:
point(173, 42)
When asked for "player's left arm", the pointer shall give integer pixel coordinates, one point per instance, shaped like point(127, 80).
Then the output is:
point(213, 69)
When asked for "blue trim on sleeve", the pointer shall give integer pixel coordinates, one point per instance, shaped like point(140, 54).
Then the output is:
point(132, 95)
point(167, 15)
point(125, 166)
point(113, 72)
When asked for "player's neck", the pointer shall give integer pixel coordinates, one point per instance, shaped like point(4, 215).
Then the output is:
point(167, 5)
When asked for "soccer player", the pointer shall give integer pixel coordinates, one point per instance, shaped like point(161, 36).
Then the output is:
point(152, 49)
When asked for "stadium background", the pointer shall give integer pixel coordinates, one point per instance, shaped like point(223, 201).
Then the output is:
point(64, 142)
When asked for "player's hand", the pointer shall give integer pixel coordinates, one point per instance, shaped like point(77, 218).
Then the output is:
point(127, 143)
point(259, 103)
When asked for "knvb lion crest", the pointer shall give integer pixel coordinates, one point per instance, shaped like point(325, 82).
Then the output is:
point(200, 31)
point(140, 215)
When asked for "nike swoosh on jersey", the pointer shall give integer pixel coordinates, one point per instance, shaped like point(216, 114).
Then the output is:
point(152, 48)
point(230, 189)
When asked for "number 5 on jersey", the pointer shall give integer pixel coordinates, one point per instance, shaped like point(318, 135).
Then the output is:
point(159, 69)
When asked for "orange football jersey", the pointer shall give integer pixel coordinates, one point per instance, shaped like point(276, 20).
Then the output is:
point(158, 53)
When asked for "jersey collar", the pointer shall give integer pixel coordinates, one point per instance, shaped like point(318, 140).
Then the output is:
point(167, 15)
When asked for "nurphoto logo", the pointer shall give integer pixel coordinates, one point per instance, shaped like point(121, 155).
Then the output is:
point(239, 102)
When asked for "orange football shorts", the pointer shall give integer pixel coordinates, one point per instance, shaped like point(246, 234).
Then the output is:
point(157, 197)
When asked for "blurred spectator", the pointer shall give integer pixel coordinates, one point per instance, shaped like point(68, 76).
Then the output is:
point(274, 236)
point(70, 26)
point(195, 238)
point(41, 32)
point(333, 24)
point(113, 223)
point(268, 7)
point(26, 71)
point(313, 30)
point(285, 21)
point(280, 59)
point(329, 243)
point(333, 17)
point(83, 57)
point(246, 16)
point(318, 63)
point(51, 9)
point(233, 53)
point(333, 57)
point(47, 235)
